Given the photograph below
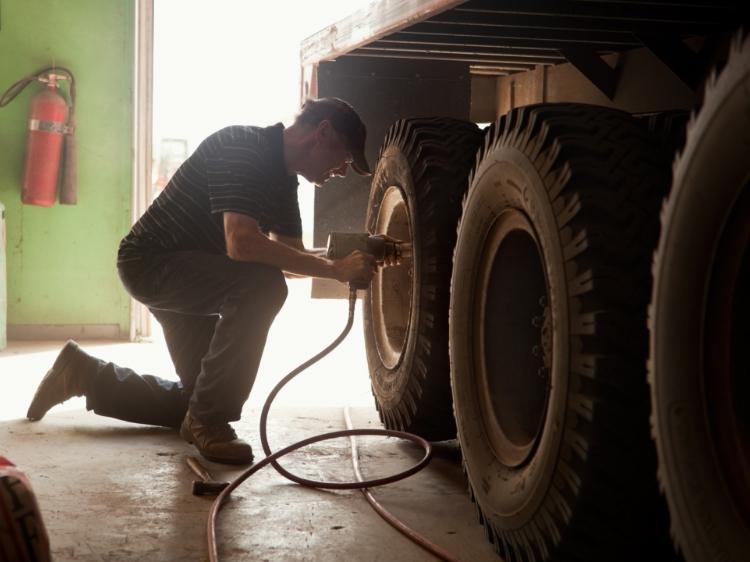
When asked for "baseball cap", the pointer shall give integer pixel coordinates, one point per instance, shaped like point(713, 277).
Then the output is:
point(345, 121)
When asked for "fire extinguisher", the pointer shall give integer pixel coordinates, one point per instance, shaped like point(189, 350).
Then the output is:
point(51, 125)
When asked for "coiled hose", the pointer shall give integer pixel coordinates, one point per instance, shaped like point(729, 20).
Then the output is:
point(271, 458)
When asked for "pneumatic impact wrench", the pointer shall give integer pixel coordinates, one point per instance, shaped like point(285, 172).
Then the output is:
point(385, 250)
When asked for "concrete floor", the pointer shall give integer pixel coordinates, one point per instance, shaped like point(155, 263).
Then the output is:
point(114, 491)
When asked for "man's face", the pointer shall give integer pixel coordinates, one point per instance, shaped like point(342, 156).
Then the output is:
point(329, 156)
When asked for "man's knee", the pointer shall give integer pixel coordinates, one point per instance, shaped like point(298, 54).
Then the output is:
point(274, 288)
point(266, 288)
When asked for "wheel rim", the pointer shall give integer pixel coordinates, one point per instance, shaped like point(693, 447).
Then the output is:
point(725, 381)
point(513, 352)
point(392, 287)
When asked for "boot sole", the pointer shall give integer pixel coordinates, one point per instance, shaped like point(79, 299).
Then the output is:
point(60, 364)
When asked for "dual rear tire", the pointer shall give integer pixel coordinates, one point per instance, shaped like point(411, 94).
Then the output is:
point(416, 194)
point(698, 367)
point(547, 286)
point(548, 341)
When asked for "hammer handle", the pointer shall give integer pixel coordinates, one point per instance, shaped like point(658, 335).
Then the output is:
point(199, 469)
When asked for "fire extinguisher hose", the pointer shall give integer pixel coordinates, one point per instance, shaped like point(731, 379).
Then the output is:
point(68, 190)
point(11, 93)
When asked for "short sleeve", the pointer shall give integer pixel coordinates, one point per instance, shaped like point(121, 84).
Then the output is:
point(238, 180)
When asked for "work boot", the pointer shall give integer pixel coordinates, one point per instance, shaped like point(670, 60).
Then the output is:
point(68, 377)
point(216, 442)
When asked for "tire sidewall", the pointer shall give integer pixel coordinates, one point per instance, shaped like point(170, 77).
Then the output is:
point(389, 385)
point(507, 178)
point(709, 177)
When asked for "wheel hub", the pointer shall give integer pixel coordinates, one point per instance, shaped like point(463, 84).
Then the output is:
point(513, 349)
point(392, 286)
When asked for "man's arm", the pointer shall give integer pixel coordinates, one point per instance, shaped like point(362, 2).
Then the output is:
point(297, 244)
point(246, 242)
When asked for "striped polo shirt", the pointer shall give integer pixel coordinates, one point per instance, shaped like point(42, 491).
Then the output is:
point(239, 169)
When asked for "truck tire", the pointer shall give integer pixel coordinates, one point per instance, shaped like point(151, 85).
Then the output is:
point(668, 127)
point(416, 193)
point(548, 338)
point(698, 368)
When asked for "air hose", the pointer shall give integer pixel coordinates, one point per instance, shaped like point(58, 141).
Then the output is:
point(363, 485)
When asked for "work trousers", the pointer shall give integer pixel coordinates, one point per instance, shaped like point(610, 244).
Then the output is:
point(215, 313)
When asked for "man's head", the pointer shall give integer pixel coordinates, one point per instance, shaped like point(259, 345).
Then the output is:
point(335, 138)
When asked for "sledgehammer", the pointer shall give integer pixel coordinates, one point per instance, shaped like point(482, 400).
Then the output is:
point(206, 486)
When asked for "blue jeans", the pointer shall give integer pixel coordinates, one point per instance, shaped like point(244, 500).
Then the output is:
point(215, 313)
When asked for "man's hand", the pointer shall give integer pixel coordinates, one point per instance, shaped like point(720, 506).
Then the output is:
point(357, 266)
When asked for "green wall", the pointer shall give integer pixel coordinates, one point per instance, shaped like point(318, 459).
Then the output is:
point(61, 260)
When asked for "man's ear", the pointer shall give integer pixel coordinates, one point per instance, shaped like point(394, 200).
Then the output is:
point(323, 130)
